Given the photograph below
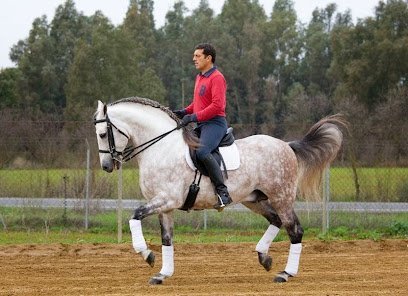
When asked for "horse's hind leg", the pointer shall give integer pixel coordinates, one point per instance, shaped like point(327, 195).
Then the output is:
point(295, 232)
point(265, 209)
point(167, 224)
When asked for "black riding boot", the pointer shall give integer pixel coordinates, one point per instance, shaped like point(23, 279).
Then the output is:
point(215, 174)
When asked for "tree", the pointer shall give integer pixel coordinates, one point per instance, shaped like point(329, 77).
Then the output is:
point(173, 49)
point(107, 67)
point(201, 26)
point(45, 56)
point(280, 58)
point(91, 75)
point(139, 25)
point(9, 97)
point(67, 26)
point(239, 42)
point(390, 122)
point(317, 51)
point(37, 86)
point(370, 59)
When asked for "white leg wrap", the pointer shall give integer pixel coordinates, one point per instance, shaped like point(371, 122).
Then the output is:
point(267, 239)
point(167, 260)
point(138, 241)
point(293, 260)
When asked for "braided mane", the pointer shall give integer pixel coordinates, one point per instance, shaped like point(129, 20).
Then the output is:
point(188, 134)
point(148, 102)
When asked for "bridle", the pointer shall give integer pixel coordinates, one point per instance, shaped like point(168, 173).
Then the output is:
point(130, 151)
point(116, 155)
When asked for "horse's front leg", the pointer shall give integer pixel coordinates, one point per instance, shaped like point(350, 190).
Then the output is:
point(139, 242)
point(167, 224)
point(164, 207)
point(135, 224)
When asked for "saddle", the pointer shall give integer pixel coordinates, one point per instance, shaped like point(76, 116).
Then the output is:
point(229, 150)
point(226, 141)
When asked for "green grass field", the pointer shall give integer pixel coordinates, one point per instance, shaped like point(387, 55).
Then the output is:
point(43, 183)
point(375, 184)
point(35, 225)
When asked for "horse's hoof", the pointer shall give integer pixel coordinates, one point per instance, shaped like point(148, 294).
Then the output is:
point(157, 279)
point(282, 277)
point(150, 259)
point(265, 260)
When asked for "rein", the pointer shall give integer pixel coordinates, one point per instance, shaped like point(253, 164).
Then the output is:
point(130, 151)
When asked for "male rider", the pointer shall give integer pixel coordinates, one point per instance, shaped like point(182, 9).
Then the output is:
point(208, 110)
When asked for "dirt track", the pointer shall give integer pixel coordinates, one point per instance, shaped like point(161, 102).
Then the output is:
point(335, 268)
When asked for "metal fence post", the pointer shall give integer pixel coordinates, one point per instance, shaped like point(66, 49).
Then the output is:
point(87, 182)
point(119, 203)
point(64, 214)
point(326, 199)
point(205, 219)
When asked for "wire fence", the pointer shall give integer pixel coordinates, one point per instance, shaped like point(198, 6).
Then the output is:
point(355, 198)
point(51, 177)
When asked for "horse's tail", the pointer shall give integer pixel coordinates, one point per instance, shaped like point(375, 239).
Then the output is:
point(315, 151)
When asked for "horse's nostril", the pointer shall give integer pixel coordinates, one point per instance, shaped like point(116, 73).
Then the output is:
point(107, 167)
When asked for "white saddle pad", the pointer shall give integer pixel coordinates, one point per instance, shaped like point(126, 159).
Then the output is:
point(229, 153)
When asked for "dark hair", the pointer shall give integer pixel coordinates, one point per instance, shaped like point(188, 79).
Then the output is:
point(208, 49)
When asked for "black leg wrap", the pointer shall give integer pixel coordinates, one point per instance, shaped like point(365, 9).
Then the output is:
point(151, 259)
point(167, 235)
point(140, 213)
point(265, 260)
point(295, 231)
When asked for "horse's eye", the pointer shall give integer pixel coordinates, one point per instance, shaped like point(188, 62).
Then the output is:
point(103, 135)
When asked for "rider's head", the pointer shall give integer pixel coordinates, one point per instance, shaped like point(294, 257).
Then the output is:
point(208, 50)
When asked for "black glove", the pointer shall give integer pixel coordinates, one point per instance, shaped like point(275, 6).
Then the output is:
point(180, 113)
point(187, 119)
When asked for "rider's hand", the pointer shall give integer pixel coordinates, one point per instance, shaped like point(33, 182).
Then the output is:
point(180, 113)
point(187, 119)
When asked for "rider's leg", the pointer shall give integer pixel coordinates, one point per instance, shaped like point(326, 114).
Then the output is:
point(211, 135)
point(215, 174)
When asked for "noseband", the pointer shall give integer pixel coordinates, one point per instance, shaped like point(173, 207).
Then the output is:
point(130, 151)
point(111, 139)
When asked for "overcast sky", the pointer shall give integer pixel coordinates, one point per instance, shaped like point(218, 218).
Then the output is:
point(16, 16)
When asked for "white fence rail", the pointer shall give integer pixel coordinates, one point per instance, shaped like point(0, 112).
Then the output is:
point(130, 204)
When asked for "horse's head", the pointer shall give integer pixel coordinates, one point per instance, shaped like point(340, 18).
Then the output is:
point(112, 139)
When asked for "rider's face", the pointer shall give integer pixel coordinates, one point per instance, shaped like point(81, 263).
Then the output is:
point(201, 61)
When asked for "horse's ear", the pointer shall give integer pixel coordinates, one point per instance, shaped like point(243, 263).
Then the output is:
point(101, 107)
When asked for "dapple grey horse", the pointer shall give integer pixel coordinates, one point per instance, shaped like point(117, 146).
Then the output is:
point(271, 173)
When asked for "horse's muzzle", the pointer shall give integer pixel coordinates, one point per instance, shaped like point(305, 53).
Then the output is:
point(108, 166)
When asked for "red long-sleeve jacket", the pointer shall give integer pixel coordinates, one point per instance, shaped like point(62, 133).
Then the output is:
point(209, 95)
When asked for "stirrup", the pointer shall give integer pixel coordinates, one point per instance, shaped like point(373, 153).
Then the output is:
point(221, 205)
